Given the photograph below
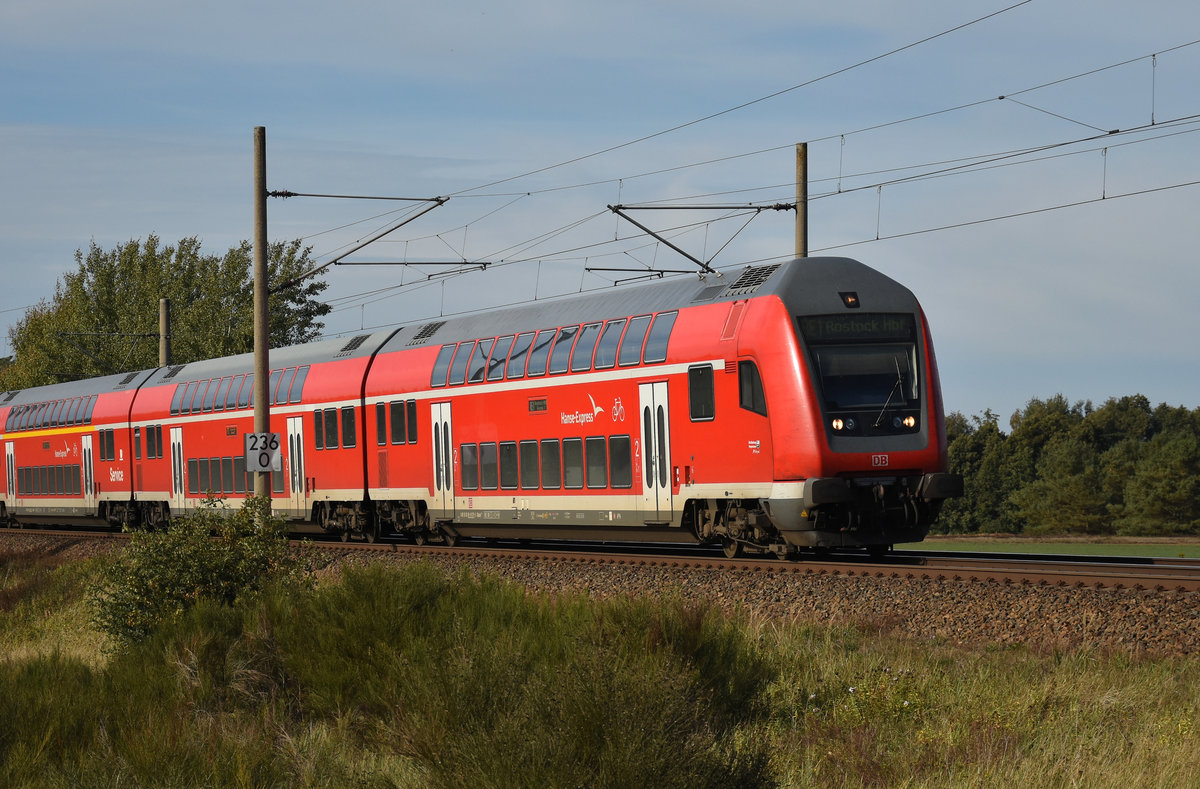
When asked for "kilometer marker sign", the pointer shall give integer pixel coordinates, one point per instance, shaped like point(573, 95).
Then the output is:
point(262, 452)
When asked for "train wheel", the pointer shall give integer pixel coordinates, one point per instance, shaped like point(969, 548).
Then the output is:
point(731, 547)
point(419, 538)
point(371, 532)
point(449, 539)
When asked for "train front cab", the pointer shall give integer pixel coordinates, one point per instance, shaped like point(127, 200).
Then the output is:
point(872, 472)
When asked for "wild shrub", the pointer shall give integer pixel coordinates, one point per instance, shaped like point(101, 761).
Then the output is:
point(213, 554)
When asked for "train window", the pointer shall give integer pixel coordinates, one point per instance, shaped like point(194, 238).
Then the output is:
point(56, 419)
point(227, 484)
point(197, 397)
point(540, 353)
point(41, 415)
point(551, 465)
point(606, 349)
point(499, 360)
point(581, 357)
point(381, 433)
point(516, 357)
point(73, 485)
point(508, 465)
point(750, 388)
point(37, 481)
point(560, 357)
point(202, 470)
point(319, 428)
point(596, 451)
point(151, 443)
point(9, 420)
point(247, 393)
point(660, 332)
point(529, 464)
point(222, 394)
point(137, 443)
point(210, 396)
point(331, 428)
point(397, 409)
point(487, 466)
point(285, 386)
point(239, 474)
point(296, 391)
point(702, 404)
point(478, 363)
point(273, 389)
point(631, 343)
point(349, 429)
point(231, 396)
point(177, 399)
point(441, 366)
point(572, 462)
point(411, 408)
point(214, 475)
point(91, 405)
point(620, 462)
point(277, 481)
point(60, 483)
point(458, 368)
point(469, 455)
point(73, 414)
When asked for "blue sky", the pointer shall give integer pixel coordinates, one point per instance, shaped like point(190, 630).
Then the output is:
point(130, 118)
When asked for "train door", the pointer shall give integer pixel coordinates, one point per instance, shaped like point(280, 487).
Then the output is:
point(89, 474)
point(299, 487)
point(177, 470)
point(443, 462)
point(10, 474)
point(656, 452)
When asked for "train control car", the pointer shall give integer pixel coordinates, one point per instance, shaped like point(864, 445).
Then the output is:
point(789, 406)
point(783, 407)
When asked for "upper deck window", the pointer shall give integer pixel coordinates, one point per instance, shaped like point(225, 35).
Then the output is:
point(560, 357)
point(441, 366)
point(540, 352)
point(581, 357)
point(478, 363)
point(606, 349)
point(499, 358)
point(516, 357)
point(458, 368)
point(631, 343)
point(656, 342)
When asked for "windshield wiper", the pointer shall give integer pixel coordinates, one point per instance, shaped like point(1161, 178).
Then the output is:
point(898, 386)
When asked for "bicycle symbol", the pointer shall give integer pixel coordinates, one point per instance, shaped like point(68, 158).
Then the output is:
point(618, 411)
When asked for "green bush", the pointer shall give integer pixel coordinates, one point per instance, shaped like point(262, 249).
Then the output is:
point(213, 554)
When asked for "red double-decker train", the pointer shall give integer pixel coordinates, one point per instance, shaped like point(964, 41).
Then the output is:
point(790, 406)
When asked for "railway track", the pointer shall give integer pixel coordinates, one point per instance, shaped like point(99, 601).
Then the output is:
point(1158, 574)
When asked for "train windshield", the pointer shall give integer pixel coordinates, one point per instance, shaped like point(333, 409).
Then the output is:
point(866, 361)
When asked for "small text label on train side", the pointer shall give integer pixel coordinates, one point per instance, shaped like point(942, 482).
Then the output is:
point(879, 461)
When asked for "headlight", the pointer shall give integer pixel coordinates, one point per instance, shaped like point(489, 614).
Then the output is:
point(909, 422)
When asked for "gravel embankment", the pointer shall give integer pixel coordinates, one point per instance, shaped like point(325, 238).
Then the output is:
point(951, 611)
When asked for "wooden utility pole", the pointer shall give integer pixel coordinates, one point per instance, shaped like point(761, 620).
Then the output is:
point(262, 338)
point(801, 199)
point(164, 332)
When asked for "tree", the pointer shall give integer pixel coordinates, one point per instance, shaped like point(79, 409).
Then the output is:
point(103, 317)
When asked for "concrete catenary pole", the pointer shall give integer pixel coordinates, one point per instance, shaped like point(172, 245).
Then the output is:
point(262, 363)
point(801, 199)
point(164, 332)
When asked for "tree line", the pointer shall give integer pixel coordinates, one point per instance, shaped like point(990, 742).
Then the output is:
point(103, 317)
point(1123, 468)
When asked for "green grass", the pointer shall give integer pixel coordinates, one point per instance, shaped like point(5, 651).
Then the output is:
point(1094, 546)
point(383, 677)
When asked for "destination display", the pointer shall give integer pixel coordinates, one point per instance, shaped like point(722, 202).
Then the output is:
point(871, 326)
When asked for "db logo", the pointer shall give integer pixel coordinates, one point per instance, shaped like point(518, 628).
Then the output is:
point(879, 460)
